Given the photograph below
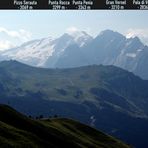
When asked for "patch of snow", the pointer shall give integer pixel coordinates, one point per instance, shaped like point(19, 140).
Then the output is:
point(132, 55)
point(139, 50)
point(93, 120)
point(80, 37)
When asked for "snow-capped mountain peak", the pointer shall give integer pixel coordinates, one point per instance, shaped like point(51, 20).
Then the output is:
point(38, 52)
point(35, 52)
point(77, 48)
point(80, 37)
point(110, 34)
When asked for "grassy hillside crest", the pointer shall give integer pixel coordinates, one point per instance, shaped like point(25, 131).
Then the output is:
point(17, 130)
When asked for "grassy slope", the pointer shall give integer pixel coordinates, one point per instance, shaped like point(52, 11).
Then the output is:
point(17, 130)
point(98, 85)
point(70, 85)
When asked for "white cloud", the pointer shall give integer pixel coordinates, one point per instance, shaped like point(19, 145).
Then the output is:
point(20, 34)
point(9, 33)
point(72, 30)
point(11, 38)
point(141, 33)
point(5, 45)
point(25, 35)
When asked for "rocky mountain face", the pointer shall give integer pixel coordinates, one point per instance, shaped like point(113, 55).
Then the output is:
point(80, 49)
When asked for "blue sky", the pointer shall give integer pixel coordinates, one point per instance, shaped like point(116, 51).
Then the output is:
point(20, 26)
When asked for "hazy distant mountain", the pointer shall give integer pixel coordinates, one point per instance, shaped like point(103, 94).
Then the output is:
point(66, 41)
point(45, 52)
point(107, 97)
point(109, 48)
point(80, 49)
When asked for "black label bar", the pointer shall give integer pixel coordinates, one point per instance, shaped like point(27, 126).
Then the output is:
point(74, 4)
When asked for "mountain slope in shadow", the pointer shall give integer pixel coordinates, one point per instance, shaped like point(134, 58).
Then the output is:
point(17, 130)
